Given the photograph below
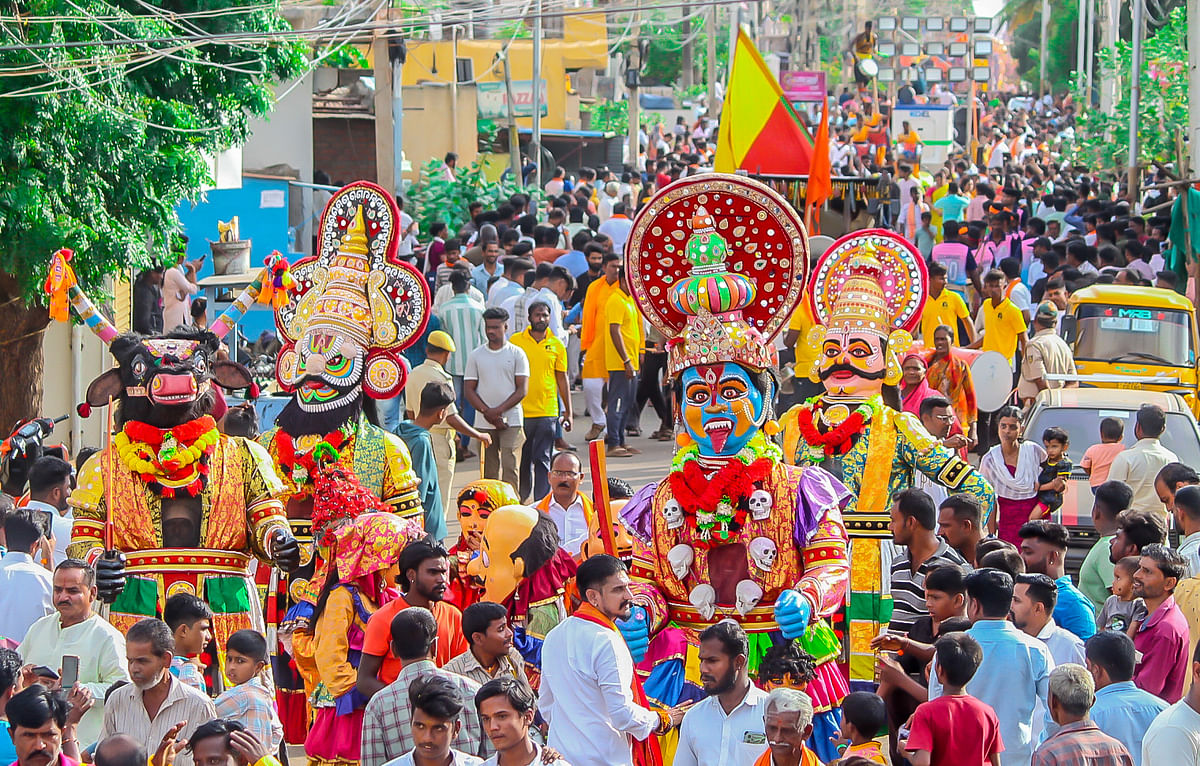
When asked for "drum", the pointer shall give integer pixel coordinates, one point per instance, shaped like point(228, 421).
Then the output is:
point(993, 380)
point(867, 68)
point(818, 244)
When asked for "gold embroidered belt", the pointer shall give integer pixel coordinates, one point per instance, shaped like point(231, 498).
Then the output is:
point(760, 619)
point(159, 560)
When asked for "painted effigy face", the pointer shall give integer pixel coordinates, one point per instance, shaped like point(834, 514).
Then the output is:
point(330, 371)
point(500, 566)
point(853, 362)
point(723, 407)
point(473, 516)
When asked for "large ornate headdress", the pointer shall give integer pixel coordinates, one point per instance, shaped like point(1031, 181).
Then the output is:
point(355, 298)
point(716, 264)
point(870, 281)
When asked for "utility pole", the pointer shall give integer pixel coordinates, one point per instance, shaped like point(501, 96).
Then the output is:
point(1042, 49)
point(711, 54)
point(631, 82)
point(1091, 47)
point(1135, 95)
point(1081, 38)
point(514, 140)
point(1193, 44)
point(535, 148)
point(687, 68)
point(1110, 17)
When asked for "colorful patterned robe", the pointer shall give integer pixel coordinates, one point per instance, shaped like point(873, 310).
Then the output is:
point(240, 511)
point(881, 463)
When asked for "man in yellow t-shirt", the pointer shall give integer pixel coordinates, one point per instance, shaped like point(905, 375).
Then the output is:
point(797, 336)
point(546, 388)
point(1004, 326)
point(622, 349)
point(944, 307)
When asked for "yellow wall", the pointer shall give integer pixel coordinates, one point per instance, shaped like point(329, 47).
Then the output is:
point(584, 44)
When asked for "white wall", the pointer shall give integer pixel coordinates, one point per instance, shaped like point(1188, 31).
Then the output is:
point(285, 137)
point(63, 387)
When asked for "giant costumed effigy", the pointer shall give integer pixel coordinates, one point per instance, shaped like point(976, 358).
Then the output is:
point(171, 505)
point(716, 264)
point(867, 293)
point(354, 308)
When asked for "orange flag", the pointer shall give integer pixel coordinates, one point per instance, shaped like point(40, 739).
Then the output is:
point(820, 174)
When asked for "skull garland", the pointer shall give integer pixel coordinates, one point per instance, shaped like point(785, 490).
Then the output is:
point(763, 552)
point(749, 593)
point(760, 503)
point(673, 513)
point(704, 598)
point(681, 558)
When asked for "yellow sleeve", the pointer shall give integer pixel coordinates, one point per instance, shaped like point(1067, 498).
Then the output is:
point(960, 308)
point(560, 357)
point(264, 510)
point(331, 646)
point(1018, 322)
point(399, 479)
point(87, 502)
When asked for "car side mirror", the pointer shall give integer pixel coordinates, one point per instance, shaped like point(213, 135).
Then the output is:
point(1070, 329)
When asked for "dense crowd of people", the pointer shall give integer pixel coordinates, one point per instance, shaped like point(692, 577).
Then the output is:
point(996, 652)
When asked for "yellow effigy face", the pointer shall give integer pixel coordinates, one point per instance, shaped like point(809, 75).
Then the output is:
point(501, 564)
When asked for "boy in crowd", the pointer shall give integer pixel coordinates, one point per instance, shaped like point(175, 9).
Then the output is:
point(1122, 612)
point(249, 701)
point(955, 728)
point(505, 708)
point(190, 621)
point(1098, 457)
point(864, 716)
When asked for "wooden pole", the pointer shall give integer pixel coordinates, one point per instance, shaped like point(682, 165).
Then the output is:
point(599, 467)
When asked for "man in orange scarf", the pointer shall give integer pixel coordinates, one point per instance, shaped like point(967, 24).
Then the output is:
point(788, 722)
point(593, 700)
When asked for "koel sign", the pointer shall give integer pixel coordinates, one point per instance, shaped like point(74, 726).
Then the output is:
point(802, 86)
point(492, 98)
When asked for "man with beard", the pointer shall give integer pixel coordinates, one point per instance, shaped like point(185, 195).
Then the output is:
point(960, 523)
point(1162, 638)
point(424, 581)
point(156, 703)
point(594, 702)
point(569, 509)
point(734, 707)
point(547, 386)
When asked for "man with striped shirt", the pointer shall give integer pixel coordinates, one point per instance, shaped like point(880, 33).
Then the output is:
point(913, 520)
point(462, 320)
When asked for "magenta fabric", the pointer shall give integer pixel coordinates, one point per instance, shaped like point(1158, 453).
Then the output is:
point(335, 737)
point(1163, 642)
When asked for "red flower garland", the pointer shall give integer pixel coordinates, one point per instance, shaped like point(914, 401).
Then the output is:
point(836, 441)
point(286, 458)
point(697, 493)
point(185, 433)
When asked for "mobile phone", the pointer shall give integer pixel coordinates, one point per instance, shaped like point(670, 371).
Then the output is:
point(70, 670)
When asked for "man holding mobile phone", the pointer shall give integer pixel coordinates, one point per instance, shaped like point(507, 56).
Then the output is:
point(73, 641)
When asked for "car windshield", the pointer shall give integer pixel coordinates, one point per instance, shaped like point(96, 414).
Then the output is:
point(1082, 424)
point(1134, 334)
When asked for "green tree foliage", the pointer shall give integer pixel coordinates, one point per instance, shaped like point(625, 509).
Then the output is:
point(1060, 43)
point(437, 198)
point(104, 132)
point(1102, 139)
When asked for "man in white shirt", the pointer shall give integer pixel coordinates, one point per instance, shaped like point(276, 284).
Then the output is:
point(25, 585)
point(436, 702)
point(506, 709)
point(617, 229)
point(408, 233)
point(156, 702)
point(512, 283)
point(179, 285)
point(75, 631)
point(1139, 465)
point(1174, 737)
point(496, 380)
point(49, 488)
point(1187, 521)
point(564, 504)
point(726, 729)
point(589, 693)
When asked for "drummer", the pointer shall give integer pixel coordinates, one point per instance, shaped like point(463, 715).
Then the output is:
point(863, 49)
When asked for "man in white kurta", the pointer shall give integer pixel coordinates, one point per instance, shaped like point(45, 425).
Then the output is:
point(587, 673)
point(73, 630)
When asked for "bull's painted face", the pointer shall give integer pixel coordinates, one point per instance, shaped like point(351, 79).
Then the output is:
point(169, 371)
point(723, 407)
point(853, 363)
point(329, 371)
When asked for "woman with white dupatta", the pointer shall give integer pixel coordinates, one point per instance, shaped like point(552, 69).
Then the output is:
point(1012, 467)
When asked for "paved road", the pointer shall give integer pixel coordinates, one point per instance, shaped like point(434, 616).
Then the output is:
point(639, 470)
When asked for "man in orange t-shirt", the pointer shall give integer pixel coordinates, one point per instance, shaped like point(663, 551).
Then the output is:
point(424, 579)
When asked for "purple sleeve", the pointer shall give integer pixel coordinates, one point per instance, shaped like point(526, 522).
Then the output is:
point(816, 493)
point(637, 515)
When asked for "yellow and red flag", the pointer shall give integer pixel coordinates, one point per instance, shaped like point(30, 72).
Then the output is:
point(760, 132)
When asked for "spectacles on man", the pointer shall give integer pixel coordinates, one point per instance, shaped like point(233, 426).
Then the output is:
point(565, 474)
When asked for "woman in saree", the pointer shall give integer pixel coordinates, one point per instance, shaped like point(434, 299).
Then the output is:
point(359, 578)
point(951, 376)
point(913, 387)
point(1013, 467)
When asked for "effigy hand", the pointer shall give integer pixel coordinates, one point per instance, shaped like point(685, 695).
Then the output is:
point(110, 575)
point(285, 550)
point(793, 613)
point(635, 629)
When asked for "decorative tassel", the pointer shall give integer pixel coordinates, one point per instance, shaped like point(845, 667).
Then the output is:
point(59, 281)
point(254, 391)
point(279, 284)
point(84, 409)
